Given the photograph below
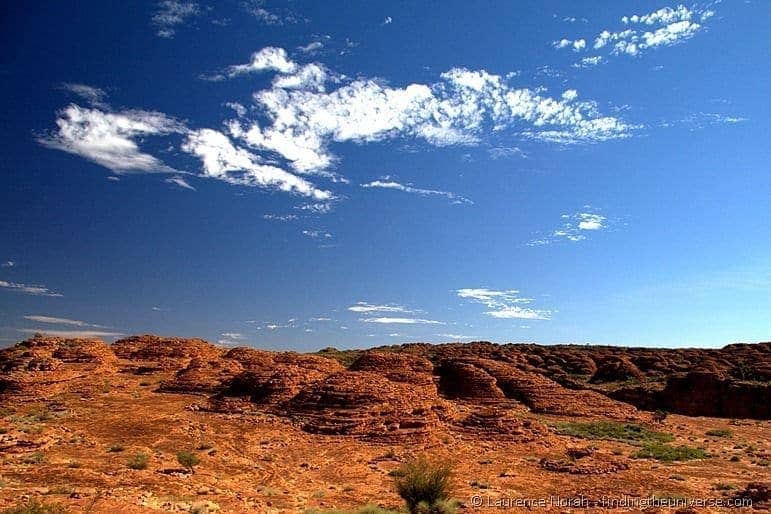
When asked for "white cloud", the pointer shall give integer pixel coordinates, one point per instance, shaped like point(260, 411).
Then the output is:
point(233, 335)
point(364, 307)
point(388, 20)
point(172, 13)
point(301, 118)
point(401, 321)
point(456, 337)
point(223, 161)
point(311, 48)
point(93, 95)
point(258, 9)
point(577, 44)
point(415, 190)
point(269, 58)
point(77, 334)
point(36, 290)
point(504, 304)
point(317, 234)
point(8, 264)
point(667, 26)
point(588, 62)
point(504, 152)
point(180, 181)
point(573, 228)
point(109, 139)
point(280, 217)
point(60, 321)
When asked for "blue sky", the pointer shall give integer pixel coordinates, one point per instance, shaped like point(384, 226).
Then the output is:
point(305, 174)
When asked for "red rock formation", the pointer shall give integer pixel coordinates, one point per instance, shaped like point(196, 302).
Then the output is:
point(364, 404)
point(164, 352)
point(616, 369)
point(43, 366)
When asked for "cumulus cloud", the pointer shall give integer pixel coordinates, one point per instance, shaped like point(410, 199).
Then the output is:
point(60, 321)
point(364, 307)
point(36, 290)
point(224, 161)
point(505, 304)
point(389, 184)
point(401, 321)
point(110, 139)
point(170, 14)
point(574, 228)
point(639, 33)
point(308, 108)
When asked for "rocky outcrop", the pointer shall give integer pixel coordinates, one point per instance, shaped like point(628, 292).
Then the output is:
point(43, 366)
point(502, 422)
point(464, 380)
point(365, 404)
point(616, 369)
point(164, 353)
point(203, 376)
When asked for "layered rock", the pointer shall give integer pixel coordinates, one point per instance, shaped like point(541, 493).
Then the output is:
point(502, 422)
point(43, 366)
point(164, 353)
point(365, 404)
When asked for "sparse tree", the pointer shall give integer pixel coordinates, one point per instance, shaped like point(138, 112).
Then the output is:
point(188, 459)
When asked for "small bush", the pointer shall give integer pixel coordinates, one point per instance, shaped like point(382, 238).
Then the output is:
point(139, 461)
point(425, 486)
point(34, 458)
point(188, 459)
point(659, 416)
point(614, 431)
point(34, 507)
point(720, 432)
point(668, 453)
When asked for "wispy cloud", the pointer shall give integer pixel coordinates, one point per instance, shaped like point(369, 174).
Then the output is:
point(317, 234)
point(280, 217)
point(179, 181)
point(401, 321)
point(456, 337)
point(388, 20)
point(574, 228)
point(504, 304)
point(36, 290)
point(271, 16)
point(8, 264)
point(170, 14)
point(364, 307)
point(78, 334)
point(60, 321)
point(407, 188)
point(506, 152)
point(110, 139)
point(94, 96)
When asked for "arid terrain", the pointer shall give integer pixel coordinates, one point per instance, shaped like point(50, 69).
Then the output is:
point(97, 427)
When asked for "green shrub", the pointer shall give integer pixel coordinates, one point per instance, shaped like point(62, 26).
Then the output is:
point(188, 459)
point(139, 461)
point(34, 507)
point(668, 453)
point(425, 486)
point(614, 431)
point(720, 432)
point(34, 458)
